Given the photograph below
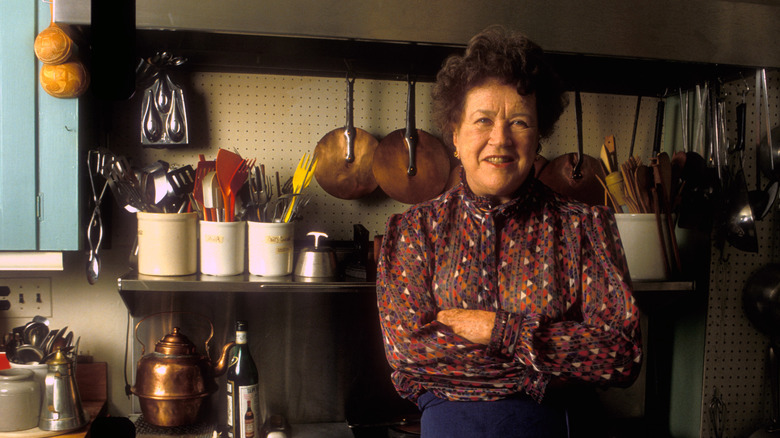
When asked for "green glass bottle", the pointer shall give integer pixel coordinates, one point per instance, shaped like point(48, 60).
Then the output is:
point(242, 388)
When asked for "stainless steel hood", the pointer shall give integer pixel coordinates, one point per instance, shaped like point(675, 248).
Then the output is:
point(701, 31)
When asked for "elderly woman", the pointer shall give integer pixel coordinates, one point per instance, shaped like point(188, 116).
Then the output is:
point(500, 297)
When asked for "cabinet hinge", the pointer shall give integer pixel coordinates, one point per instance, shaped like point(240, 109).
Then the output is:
point(39, 207)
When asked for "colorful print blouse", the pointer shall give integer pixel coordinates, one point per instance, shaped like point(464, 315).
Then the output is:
point(552, 269)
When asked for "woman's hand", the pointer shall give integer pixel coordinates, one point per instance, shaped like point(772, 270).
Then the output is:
point(474, 325)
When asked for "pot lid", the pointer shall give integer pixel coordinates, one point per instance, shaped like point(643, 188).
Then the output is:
point(175, 343)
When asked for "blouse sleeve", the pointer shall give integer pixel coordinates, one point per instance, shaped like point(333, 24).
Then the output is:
point(417, 346)
point(605, 345)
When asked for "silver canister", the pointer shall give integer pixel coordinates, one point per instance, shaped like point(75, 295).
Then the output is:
point(61, 409)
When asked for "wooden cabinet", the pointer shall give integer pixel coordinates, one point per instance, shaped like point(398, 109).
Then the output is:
point(39, 143)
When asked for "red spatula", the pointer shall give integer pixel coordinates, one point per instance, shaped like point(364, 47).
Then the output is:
point(228, 163)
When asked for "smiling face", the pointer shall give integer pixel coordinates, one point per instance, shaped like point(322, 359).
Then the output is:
point(497, 139)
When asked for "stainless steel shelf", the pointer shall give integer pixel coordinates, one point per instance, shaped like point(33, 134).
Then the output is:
point(664, 286)
point(133, 281)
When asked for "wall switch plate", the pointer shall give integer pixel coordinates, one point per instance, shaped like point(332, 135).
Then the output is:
point(25, 297)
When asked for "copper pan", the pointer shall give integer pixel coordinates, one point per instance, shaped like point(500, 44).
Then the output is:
point(576, 175)
point(344, 158)
point(411, 165)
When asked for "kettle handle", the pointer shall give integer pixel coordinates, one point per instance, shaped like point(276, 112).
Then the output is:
point(143, 347)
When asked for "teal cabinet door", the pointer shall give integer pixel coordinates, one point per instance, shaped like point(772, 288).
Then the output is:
point(39, 142)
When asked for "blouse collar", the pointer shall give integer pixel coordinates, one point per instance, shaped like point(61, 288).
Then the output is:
point(520, 197)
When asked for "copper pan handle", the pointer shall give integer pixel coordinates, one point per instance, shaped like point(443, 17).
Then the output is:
point(411, 138)
point(349, 130)
point(576, 172)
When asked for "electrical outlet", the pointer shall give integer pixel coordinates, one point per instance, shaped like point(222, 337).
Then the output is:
point(25, 297)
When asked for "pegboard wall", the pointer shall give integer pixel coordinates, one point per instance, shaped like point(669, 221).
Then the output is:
point(735, 353)
point(276, 118)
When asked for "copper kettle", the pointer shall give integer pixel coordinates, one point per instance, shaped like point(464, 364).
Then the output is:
point(172, 382)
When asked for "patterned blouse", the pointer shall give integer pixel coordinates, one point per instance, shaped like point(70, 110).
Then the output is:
point(552, 269)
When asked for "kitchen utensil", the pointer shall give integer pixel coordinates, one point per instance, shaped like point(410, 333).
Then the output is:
point(96, 163)
point(717, 414)
point(237, 181)
point(761, 300)
point(46, 344)
point(636, 122)
point(151, 122)
point(260, 191)
point(770, 146)
point(662, 173)
point(203, 168)
point(761, 303)
point(228, 163)
point(181, 180)
point(301, 179)
point(211, 193)
point(740, 225)
point(346, 157)
point(61, 409)
point(34, 333)
point(173, 380)
point(317, 261)
point(411, 165)
point(576, 175)
point(154, 185)
point(176, 119)
point(56, 340)
point(27, 353)
point(62, 342)
point(163, 109)
point(611, 153)
point(762, 200)
point(126, 187)
point(659, 127)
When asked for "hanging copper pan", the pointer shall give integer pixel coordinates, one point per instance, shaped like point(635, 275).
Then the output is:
point(344, 158)
point(411, 165)
point(575, 174)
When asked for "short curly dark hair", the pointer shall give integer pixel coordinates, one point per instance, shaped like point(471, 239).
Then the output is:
point(504, 55)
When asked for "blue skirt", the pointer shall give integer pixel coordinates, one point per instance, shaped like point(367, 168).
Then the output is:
point(515, 417)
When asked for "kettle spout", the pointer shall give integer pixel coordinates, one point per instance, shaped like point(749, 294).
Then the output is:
point(222, 364)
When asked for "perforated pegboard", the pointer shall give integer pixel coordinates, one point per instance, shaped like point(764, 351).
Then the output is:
point(735, 353)
point(275, 119)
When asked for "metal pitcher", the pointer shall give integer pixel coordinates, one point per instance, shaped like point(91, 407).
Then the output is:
point(61, 409)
